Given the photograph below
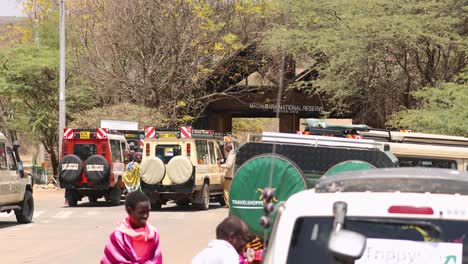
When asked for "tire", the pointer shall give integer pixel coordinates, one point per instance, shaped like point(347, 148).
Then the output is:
point(179, 169)
point(156, 206)
point(152, 170)
point(220, 200)
point(205, 192)
point(70, 168)
point(115, 194)
point(183, 203)
point(97, 169)
point(92, 199)
point(72, 198)
point(25, 214)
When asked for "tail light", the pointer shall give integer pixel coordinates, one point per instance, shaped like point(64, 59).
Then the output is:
point(65, 148)
point(188, 149)
point(104, 148)
point(404, 209)
point(147, 149)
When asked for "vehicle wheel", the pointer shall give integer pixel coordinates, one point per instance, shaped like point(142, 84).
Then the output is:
point(115, 196)
point(92, 198)
point(25, 214)
point(72, 198)
point(205, 192)
point(156, 205)
point(183, 202)
point(220, 200)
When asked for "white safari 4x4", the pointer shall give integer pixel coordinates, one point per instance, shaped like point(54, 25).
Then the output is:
point(182, 165)
point(398, 215)
point(15, 187)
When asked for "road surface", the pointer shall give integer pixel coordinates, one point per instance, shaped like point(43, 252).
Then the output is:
point(60, 234)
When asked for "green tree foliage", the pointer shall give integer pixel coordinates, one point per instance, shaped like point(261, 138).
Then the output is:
point(29, 79)
point(444, 109)
point(374, 54)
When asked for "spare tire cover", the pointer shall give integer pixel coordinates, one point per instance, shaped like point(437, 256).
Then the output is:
point(179, 169)
point(246, 193)
point(349, 165)
point(97, 169)
point(152, 170)
point(70, 168)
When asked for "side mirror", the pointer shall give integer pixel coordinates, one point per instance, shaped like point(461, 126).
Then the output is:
point(347, 245)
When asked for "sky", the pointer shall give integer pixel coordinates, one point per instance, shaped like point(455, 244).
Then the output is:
point(10, 8)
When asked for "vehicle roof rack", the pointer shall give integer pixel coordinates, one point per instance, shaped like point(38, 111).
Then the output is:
point(274, 137)
point(414, 180)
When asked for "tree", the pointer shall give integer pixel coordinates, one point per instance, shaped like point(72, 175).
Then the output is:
point(160, 53)
point(29, 78)
point(374, 54)
point(444, 109)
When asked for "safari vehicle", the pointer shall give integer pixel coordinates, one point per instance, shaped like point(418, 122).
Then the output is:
point(182, 165)
point(92, 165)
point(397, 215)
point(16, 192)
point(411, 149)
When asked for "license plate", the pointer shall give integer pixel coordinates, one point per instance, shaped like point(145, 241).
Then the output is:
point(167, 136)
point(84, 135)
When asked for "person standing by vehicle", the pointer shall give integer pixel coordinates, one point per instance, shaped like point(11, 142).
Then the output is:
point(134, 240)
point(231, 236)
point(229, 166)
point(131, 176)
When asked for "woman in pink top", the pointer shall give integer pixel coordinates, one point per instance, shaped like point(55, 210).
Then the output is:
point(134, 240)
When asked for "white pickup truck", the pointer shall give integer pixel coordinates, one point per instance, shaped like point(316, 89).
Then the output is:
point(397, 215)
point(15, 187)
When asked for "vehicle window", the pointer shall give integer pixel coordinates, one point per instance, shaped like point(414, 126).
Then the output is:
point(84, 151)
point(3, 159)
point(167, 152)
point(11, 159)
point(310, 235)
point(212, 152)
point(202, 152)
point(218, 153)
point(431, 163)
point(116, 151)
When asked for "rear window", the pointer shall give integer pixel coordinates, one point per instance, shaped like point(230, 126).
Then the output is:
point(84, 151)
point(430, 163)
point(310, 235)
point(167, 152)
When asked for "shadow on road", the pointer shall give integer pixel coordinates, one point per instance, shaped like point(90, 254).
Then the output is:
point(90, 204)
point(6, 224)
point(171, 207)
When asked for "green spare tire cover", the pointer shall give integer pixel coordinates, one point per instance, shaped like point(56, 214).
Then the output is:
point(245, 195)
point(349, 165)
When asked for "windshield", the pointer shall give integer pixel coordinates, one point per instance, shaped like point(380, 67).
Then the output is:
point(310, 235)
point(84, 151)
point(167, 152)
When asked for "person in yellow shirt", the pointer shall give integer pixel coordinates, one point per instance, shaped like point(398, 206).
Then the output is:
point(131, 176)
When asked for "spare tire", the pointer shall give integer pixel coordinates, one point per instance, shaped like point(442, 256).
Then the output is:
point(97, 169)
point(349, 165)
point(256, 174)
point(70, 168)
point(179, 169)
point(152, 170)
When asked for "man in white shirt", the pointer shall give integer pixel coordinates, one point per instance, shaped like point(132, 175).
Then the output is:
point(231, 237)
point(229, 166)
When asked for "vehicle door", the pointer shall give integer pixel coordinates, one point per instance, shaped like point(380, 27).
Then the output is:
point(214, 168)
point(4, 175)
point(204, 168)
point(10, 176)
point(117, 158)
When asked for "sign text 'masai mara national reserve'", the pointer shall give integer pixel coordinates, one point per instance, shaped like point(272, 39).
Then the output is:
point(286, 108)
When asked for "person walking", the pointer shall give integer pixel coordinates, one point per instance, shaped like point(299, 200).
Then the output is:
point(134, 240)
point(231, 236)
point(131, 176)
point(229, 166)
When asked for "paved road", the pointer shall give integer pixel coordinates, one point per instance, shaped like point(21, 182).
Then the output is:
point(60, 234)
